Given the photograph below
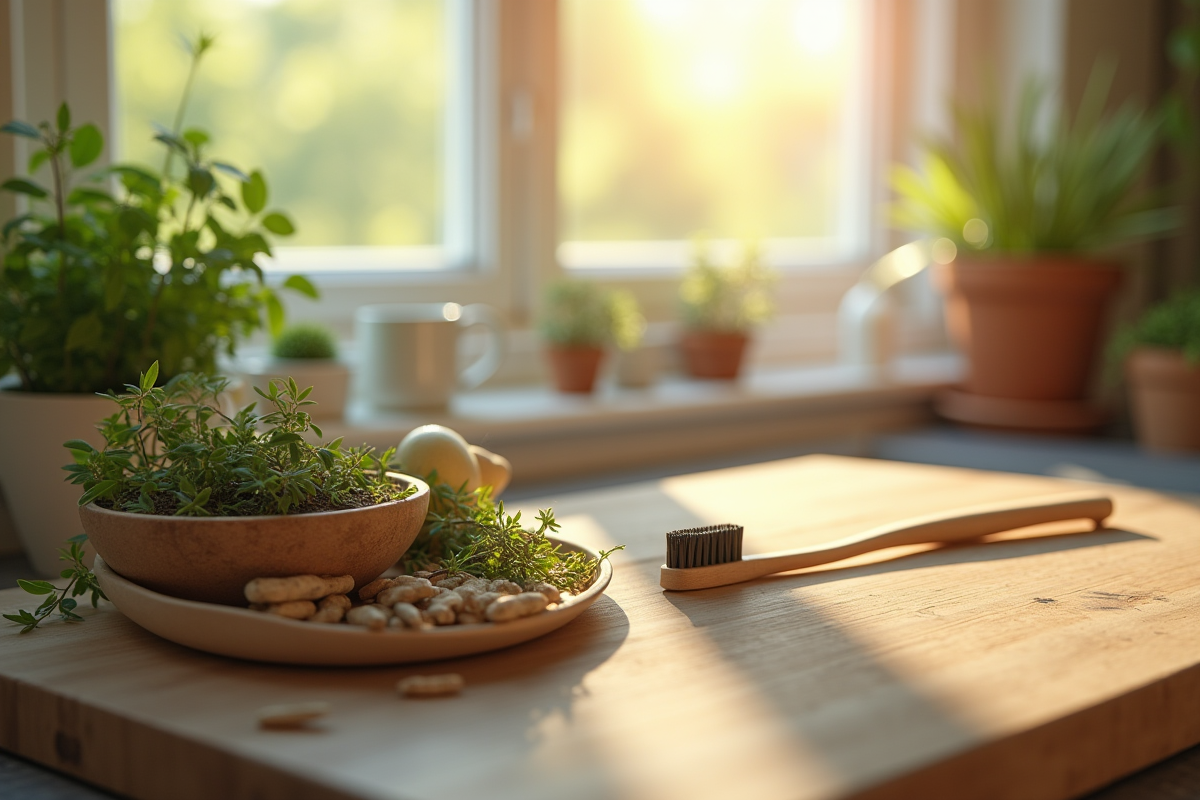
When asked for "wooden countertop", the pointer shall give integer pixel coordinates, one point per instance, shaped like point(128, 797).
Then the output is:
point(1039, 666)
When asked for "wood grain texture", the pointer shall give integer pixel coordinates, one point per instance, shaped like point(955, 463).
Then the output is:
point(1040, 665)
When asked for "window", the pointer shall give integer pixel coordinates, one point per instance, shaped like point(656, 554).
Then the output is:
point(342, 105)
point(472, 150)
point(740, 119)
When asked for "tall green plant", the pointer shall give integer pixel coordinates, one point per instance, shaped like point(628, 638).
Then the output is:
point(993, 190)
point(97, 283)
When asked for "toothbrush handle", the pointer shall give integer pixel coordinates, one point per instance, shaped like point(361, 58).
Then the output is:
point(955, 526)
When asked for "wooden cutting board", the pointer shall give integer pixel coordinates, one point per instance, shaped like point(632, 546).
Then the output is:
point(1040, 665)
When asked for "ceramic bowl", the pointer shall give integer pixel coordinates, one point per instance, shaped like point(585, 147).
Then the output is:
point(210, 559)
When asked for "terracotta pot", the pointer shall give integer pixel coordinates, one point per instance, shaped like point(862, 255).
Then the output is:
point(33, 427)
point(1029, 327)
point(575, 368)
point(714, 354)
point(210, 559)
point(1166, 399)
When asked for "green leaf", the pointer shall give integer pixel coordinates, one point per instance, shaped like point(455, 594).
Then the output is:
point(79, 444)
point(86, 145)
point(200, 181)
point(66, 573)
point(18, 128)
point(302, 285)
point(64, 118)
point(79, 538)
point(88, 194)
point(254, 192)
point(149, 377)
point(278, 224)
point(87, 330)
point(36, 160)
point(67, 604)
point(22, 186)
point(229, 169)
point(36, 587)
point(195, 137)
point(275, 313)
point(99, 490)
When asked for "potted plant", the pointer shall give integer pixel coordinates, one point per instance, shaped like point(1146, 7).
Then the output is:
point(308, 353)
point(720, 306)
point(1027, 218)
point(1161, 356)
point(636, 365)
point(190, 502)
point(96, 284)
point(576, 322)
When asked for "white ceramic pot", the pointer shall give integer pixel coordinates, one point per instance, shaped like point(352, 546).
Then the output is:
point(638, 368)
point(44, 507)
point(328, 377)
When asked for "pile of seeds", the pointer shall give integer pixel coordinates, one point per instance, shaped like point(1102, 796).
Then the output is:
point(418, 602)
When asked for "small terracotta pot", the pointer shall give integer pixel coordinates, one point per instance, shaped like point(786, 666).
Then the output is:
point(1030, 327)
point(575, 368)
point(714, 354)
point(211, 559)
point(1166, 399)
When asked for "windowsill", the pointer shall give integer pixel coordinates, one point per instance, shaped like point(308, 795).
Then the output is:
point(548, 435)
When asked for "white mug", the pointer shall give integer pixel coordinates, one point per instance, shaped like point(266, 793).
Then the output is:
point(408, 352)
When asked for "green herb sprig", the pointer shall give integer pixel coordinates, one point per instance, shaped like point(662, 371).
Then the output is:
point(171, 450)
point(466, 532)
point(82, 580)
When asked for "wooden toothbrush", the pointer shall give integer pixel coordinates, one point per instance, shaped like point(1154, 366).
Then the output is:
point(700, 558)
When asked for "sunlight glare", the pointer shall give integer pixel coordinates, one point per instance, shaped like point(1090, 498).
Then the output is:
point(716, 79)
point(666, 13)
point(820, 26)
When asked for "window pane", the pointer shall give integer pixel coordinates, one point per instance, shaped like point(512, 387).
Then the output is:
point(339, 103)
point(740, 118)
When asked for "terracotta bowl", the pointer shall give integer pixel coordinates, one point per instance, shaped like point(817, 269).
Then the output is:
point(210, 559)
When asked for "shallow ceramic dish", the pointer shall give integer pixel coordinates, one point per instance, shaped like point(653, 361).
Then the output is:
point(252, 635)
point(210, 559)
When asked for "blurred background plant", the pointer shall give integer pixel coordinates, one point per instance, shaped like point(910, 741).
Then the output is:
point(96, 284)
point(628, 323)
point(1173, 324)
point(726, 298)
point(576, 313)
point(305, 340)
point(989, 189)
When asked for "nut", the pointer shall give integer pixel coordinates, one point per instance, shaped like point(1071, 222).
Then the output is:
point(297, 587)
point(291, 715)
point(511, 607)
point(430, 685)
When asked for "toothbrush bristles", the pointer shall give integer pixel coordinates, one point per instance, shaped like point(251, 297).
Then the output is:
point(704, 546)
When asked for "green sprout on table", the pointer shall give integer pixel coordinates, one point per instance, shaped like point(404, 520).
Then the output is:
point(82, 580)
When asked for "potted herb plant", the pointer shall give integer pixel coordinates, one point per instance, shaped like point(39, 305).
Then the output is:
point(720, 307)
point(1029, 218)
point(193, 503)
point(1161, 356)
point(308, 353)
point(96, 284)
point(636, 364)
point(576, 322)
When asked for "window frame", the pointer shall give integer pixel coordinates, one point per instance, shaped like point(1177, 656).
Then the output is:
point(511, 226)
